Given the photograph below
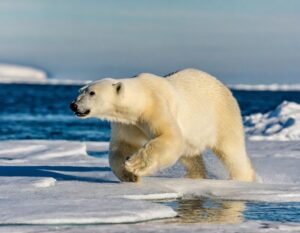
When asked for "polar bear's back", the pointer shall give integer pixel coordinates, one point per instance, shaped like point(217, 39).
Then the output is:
point(195, 80)
point(199, 87)
point(207, 106)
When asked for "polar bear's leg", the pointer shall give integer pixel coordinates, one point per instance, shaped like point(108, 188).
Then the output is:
point(194, 166)
point(117, 158)
point(160, 152)
point(126, 140)
point(236, 161)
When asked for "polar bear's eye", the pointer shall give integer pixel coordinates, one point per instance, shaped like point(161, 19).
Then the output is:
point(92, 93)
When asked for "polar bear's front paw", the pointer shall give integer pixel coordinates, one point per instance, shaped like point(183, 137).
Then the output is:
point(139, 164)
point(129, 177)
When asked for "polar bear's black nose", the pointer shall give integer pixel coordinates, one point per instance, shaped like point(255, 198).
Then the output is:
point(73, 106)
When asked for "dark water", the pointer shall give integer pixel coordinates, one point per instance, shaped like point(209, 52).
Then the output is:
point(42, 112)
point(207, 210)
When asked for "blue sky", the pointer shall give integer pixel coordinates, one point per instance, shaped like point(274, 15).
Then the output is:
point(238, 41)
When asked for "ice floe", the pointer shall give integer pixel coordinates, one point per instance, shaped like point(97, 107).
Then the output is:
point(57, 182)
point(62, 184)
point(283, 123)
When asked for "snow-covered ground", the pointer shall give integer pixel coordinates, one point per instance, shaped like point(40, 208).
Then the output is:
point(57, 182)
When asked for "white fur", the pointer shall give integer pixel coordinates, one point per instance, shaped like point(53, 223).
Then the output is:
point(157, 121)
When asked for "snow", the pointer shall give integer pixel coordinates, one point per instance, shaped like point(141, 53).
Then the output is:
point(265, 87)
point(57, 182)
point(63, 185)
point(283, 123)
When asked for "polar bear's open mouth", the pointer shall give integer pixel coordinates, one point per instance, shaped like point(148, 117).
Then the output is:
point(82, 114)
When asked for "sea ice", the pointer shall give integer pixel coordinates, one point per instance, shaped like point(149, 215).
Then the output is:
point(57, 182)
point(283, 123)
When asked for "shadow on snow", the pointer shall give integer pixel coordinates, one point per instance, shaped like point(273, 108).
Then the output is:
point(54, 172)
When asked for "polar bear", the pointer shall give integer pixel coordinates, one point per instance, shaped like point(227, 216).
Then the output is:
point(156, 121)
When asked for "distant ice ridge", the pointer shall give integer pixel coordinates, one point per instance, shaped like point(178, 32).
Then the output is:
point(16, 73)
point(265, 87)
point(29, 75)
point(10, 73)
point(283, 123)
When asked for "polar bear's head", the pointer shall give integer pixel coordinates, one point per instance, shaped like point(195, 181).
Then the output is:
point(98, 99)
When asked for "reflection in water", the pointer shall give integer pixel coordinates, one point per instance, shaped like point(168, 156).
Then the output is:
point(207, 210)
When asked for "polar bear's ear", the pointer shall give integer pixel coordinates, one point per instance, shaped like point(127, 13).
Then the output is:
point(119, 87)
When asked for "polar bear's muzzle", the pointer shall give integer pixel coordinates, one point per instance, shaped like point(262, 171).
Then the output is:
point(81, 113)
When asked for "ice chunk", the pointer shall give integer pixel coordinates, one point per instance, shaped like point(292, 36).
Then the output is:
point(44, 183)
point(283, 123)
